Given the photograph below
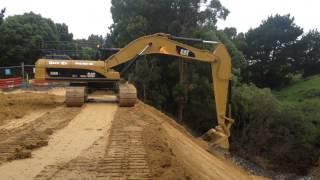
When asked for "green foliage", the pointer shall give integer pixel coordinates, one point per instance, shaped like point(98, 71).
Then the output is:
point(271, 51)
point(133, 19)
point(2, 11)
point(63, 32)
point(304, 95)
point(87, 53)
point(144, 74)
point(301, 90)
point(21, 36)
point(285, 133)
point(310, 53)
point(231, 32)
point(87, 48)
point(237, 56)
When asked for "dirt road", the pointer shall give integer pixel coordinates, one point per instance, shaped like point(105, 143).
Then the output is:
point(88, 126)
point(143, 145)
point(102, 141)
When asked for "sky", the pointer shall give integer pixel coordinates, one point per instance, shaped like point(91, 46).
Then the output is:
point(85, 17)
point(246, 14)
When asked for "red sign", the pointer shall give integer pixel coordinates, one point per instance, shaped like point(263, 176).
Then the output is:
point(10, 83)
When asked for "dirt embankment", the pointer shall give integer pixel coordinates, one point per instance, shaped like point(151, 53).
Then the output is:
point(18, 105)
point(175, 154)
point(142, 143)
point(27, 121)
point(163, 162)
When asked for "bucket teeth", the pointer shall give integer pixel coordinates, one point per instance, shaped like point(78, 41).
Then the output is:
point(127, 95)
point(75, 96)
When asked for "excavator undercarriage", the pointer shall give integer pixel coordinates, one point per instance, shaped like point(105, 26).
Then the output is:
point(76, 96)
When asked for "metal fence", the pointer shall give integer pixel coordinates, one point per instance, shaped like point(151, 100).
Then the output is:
point(24, 71)
point(16, 76)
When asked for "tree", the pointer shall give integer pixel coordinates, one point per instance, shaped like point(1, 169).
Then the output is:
point(96, 40)
point(145, 73)
point(21, 36)
point(2, 11)
point(133, 19)
point(237, 56)
point(87, 48)
point(231, 32)
point(63, 32)
point(310, 53)
point(270, 51)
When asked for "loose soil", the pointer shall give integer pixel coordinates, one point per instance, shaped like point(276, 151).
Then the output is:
point(18, 105)
point(80, 134)
point(27, 120)
point(189, 158)
point(102, 141)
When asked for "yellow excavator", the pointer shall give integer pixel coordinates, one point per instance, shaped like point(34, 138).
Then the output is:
point(84, 75)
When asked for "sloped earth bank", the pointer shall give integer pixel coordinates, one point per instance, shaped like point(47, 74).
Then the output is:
point(174, 154)
point(142, 144)
point(14, 106)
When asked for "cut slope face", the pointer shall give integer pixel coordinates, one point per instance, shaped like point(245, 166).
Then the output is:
point(196, 161)
point(17, 105)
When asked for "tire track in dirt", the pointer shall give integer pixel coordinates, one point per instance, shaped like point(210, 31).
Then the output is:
point(142, 144)
point(125, 156)
point(80, 134)
point(16, 123)
point(120, 155)
point(18, 142)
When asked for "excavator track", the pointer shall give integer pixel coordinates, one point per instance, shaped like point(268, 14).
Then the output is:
point(76, 96)
point(127, 95)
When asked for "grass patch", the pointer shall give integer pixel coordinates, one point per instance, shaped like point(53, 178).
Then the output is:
point(302, 90)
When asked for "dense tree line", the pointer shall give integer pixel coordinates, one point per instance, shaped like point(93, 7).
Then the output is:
point(276, 51)
point(21, 36)
point(27, 37)
point(2, 15)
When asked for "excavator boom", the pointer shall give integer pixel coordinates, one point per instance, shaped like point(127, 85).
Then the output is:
point(219, 60)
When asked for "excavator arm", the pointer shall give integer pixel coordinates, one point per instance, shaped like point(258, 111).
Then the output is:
point(219, 60)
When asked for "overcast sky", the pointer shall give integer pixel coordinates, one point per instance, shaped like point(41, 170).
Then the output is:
point(85, 17)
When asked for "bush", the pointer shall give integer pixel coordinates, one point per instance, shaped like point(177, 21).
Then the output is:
point(284, 134)
point(311, 93)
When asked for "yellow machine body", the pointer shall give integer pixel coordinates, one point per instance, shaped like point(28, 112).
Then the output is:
point(42, 73)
